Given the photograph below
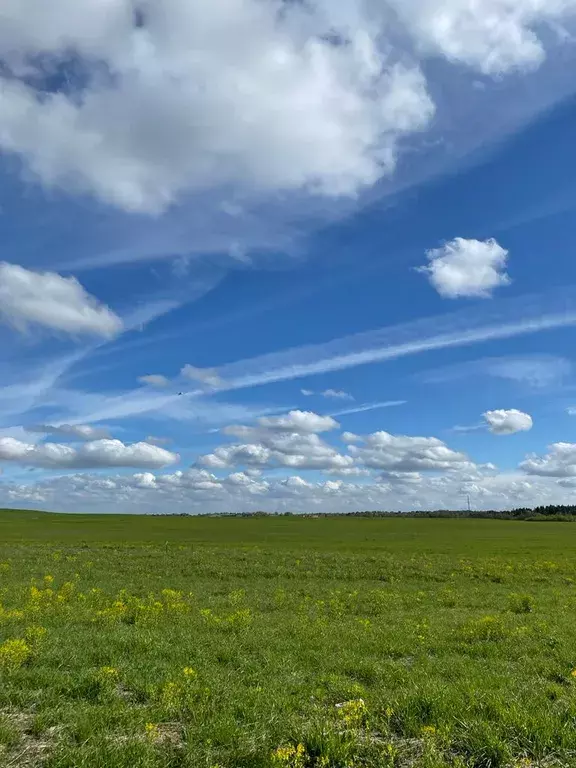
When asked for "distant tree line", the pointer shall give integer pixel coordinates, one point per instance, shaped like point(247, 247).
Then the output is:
point(561, 512)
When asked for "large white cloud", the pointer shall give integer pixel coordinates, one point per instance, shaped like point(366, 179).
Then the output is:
point(52, 301)
point(98, 453)
point(290, 450)
point(467, 268)
point(196, 95)
point(507, 422)
point(95, 27)
point(402, 453)
point(114, 453)
point(299, 421)
point(289, 440)
point(232, 455)
point(560, 461)
point(164, 97)
point(274, 442)
point(493, 36)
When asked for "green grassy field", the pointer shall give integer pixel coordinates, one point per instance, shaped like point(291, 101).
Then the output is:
point(286, 642)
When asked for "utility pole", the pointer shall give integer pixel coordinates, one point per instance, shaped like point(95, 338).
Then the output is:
point(468, 499)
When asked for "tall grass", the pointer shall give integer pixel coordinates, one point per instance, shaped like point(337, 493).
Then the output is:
point(286, 642)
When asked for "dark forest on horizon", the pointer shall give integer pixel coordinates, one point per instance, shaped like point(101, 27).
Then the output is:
point(560, 512)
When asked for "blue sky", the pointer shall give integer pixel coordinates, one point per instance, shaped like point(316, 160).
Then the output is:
point(268, 256)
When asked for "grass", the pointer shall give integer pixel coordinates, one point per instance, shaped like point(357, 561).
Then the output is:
point(286, 643)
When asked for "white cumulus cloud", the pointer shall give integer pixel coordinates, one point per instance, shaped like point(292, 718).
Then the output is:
point(97, 453)
point(265, 95)
point(467, 268)
point(290, 440)
point(507, 422)
point(299, 421)
point(199, 491)
point(52, 301)
point(560, 461)
point(379, 471)
point(305, 451)
point(492, 36)
point(168, 97)
point(402, 453)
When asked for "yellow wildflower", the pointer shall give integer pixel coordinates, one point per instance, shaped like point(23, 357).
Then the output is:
point(391, 752)
point(66, 592)
point(353, 712)
point(573, 673)
point(14, 653)
point(8, 615)
point(190, 673)
point(151, 730)
point(171, 595)
point(35, 635)
point(209, 616)
point(109, 673)
point(243, 617)
point(171, 695)
point(428, 731)
point(40, 597)
point(289, 756)
point(237, 596)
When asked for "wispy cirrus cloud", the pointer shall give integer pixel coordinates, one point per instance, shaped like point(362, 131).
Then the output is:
point(504, 319)
point(368, 407)
point(330, 394)
point(154, 380)
point(72, 431)
point(469, 427)
point(535, 371)
point(43, 377)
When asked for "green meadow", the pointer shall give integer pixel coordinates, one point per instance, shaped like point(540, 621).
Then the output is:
point(286, 642)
